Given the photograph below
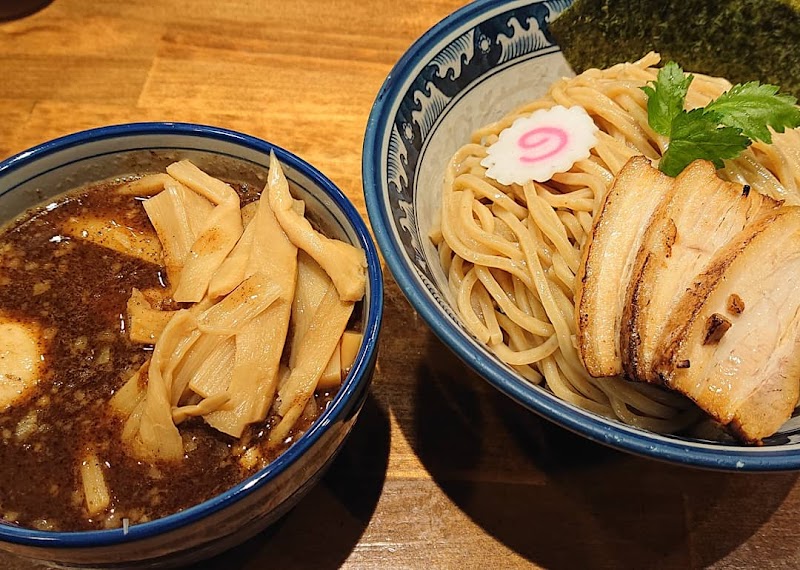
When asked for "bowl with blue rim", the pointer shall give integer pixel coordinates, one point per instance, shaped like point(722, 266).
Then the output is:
point(468, 71)
point(34, 176)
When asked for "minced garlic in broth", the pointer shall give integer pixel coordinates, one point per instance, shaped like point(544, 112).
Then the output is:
point(76, 293)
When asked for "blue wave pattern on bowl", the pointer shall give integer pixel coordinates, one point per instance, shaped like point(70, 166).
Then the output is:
point(419, 103)
point(516, 33)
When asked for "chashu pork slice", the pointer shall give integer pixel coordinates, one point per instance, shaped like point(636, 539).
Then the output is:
point(608, 261)
point(702, 214)
point(733, 342)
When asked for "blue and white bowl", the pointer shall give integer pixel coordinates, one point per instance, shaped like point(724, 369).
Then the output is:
point(470, 70)
point(38, 174)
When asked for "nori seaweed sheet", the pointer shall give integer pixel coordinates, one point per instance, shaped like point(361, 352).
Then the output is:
point(742, 40)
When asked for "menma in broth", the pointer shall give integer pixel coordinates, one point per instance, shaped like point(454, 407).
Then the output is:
point(67, 272)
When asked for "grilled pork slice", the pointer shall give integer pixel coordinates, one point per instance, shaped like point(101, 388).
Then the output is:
point(733, 342)
point(608, 261)
point(702, 214)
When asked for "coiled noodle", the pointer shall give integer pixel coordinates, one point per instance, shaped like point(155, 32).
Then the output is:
point(511, 253)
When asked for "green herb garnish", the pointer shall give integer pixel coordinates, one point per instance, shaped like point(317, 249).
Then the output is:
point(720, 130)
point(666, 97)
point(697, 134)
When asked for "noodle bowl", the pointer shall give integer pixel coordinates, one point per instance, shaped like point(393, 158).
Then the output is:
point(511, 253)
point(469, 71)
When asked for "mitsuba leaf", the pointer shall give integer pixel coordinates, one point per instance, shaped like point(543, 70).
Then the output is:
point(666, 97)
point(753, 108)
point(722, 129)
point(698, 135)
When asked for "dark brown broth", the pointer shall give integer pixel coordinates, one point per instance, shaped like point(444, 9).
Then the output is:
point(83, 312)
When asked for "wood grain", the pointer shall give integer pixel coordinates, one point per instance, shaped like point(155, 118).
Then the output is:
point(441, 471)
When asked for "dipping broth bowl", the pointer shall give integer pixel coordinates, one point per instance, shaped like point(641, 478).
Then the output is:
point(36, 175)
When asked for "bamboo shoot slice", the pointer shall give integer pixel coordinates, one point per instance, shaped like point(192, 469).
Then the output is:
point(344, 263)
point(95, 489)
point(157, 437)
point(115, 236)
point(351, 343)
point(313, 356)
point(176, 214)
point(198, 209)
point(260, 344)
point(210, 188)
point(255, 371)
point(149, 185)
point(125, 400)
point(213, 235)
point(205, 406)
point(218, 324)
point(312, 285)
point(231, 273)
point(332, 375)
point(145, 324)
point(209, 251)
point(208, 368)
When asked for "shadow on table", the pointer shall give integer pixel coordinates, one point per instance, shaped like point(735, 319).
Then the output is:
point(322, 530)
point(565, 502)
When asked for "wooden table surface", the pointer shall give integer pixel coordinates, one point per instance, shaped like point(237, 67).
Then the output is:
point(441, 471)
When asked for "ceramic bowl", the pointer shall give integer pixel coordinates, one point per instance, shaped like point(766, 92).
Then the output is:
point(468, 71)
point(38, 174)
